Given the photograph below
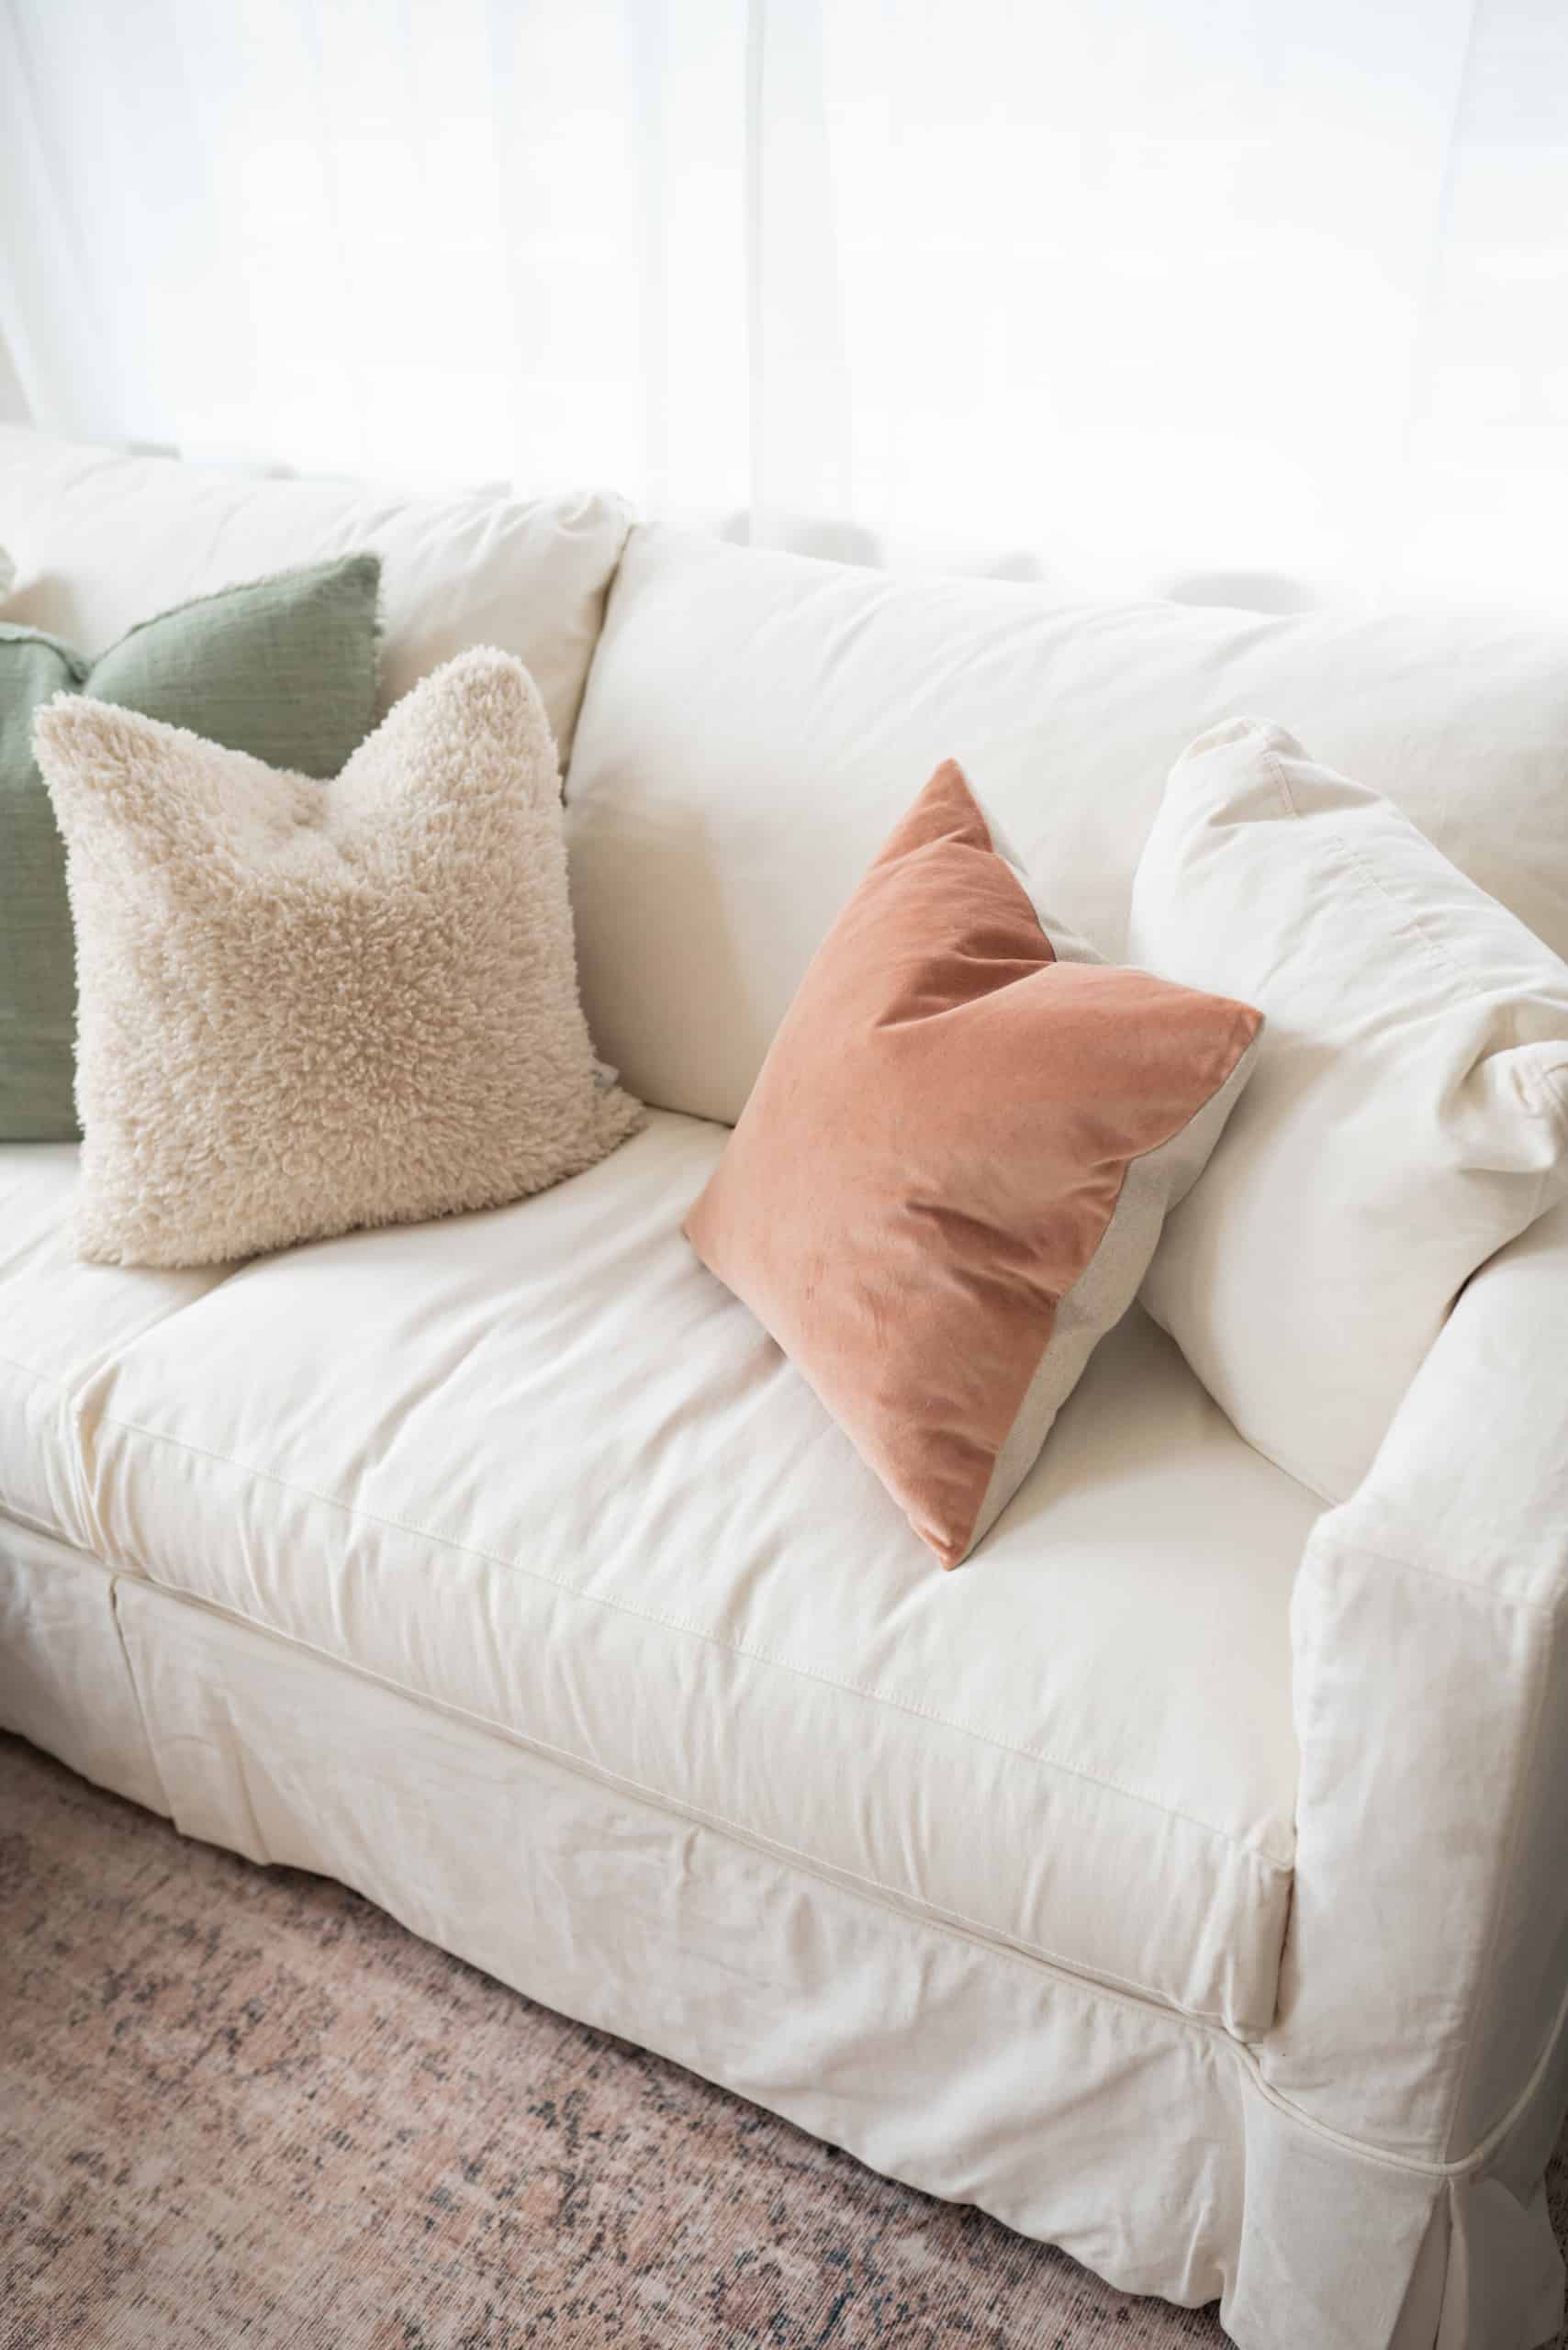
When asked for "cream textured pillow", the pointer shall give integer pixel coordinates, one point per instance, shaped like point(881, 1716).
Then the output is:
point(1409, 1111)
point(309, 1006)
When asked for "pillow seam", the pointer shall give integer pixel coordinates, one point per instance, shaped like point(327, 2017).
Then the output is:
point(1411, 926)
point(323, 563)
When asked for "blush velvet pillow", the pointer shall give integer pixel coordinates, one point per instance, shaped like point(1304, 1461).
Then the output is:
point(306, 1006)
point(952, 1171)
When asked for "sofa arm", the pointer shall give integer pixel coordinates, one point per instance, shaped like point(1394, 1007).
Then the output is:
point(1422, 1993)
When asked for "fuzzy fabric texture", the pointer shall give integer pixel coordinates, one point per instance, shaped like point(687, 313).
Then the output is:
point(307, 1007)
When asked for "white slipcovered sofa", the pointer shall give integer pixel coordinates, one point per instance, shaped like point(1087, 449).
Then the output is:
point(1181, 1881)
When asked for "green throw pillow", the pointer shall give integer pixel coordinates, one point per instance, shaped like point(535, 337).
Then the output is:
point(285, 668)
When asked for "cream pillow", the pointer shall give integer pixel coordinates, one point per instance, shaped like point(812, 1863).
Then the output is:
point(1407, 1115)
point(309, 1006)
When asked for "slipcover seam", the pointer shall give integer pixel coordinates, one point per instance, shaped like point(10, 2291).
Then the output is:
point(1502, 2129)
point(1505, 1877)
point(147, 1739)
point(76, 1466)
point(1367, 2148)
point(1247, 1852)
point(1407, 923)
point(629, 523)
point(31, 1371)
point(1341, 1550)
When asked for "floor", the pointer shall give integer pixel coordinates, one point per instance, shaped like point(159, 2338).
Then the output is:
point(240, 2105)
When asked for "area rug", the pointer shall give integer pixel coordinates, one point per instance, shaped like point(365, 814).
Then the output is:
point(240, 2105)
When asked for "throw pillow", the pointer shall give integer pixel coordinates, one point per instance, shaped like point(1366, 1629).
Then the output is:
point(306, 1008)
point(1409, 1113)
point(953, 1168)
point(284, 668)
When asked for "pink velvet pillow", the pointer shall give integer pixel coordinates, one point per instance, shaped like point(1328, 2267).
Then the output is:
point(954, 1165)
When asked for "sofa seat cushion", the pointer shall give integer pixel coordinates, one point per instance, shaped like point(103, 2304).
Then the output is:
point(540, 1467)
point(62, 1324)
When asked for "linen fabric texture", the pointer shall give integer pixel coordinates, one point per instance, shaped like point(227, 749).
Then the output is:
point(823, 689)
point(951, 1173)
point(306, 1008)
point(284, 668)
point(540, 1467)
point(100, 538)
point(1409, 1112)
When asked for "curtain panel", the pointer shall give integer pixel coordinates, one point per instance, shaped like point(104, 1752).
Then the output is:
point(1254, 301)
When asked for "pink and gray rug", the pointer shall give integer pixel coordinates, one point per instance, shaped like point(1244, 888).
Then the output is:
point(238, 2106)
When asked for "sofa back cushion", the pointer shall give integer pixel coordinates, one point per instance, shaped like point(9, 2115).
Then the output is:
point(753, 718)
point(1409, 1115)
point(101, 540)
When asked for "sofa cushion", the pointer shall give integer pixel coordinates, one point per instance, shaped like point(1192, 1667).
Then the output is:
point(100, 540)
point(537, 1467)
point(60, 1323)
point(753, 719)
point(1409, 1115)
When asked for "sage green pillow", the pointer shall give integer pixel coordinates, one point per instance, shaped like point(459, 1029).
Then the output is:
point(285, 668)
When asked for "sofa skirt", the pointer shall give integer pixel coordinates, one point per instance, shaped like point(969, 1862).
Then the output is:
point(1146, 2144)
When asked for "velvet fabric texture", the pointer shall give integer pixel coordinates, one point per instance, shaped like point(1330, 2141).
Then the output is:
point(954, 1166)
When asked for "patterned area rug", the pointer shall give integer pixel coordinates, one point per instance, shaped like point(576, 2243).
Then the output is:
point(239, 2105)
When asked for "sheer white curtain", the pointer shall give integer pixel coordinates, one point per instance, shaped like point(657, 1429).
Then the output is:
point(1260, 297)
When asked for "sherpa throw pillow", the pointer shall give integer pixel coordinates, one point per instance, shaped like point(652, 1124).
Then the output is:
point(953, 1168)
point(1409, 1113)
point(308, 1007)
point(284, 667)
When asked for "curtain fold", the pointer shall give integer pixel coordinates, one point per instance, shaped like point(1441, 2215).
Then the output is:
point(1257, 299)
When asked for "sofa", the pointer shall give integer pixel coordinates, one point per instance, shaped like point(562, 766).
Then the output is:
point(1182, 1880)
